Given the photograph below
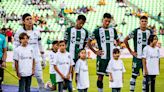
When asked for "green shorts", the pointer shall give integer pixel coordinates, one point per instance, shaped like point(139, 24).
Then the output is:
point(136, 66)
point(101, 66)
point(53, 79)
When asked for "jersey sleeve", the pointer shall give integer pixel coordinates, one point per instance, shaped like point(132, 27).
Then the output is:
point(131, 34)
point(94, 34)
point(77, 67)
point(72, 62)
point(144, 54)
point(158, 50)
point(66, 34)
point(16, 42)
point(109, 67)
point(40, 42)
point(15, 55)
point(115, 34)
point(87, 35)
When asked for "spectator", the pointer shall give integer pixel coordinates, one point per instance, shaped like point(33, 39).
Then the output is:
point(9, 35)
point(101, 2)
point(123, 22)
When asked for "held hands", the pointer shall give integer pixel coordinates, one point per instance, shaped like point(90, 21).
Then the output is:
point(4, 64)
point(133, 53)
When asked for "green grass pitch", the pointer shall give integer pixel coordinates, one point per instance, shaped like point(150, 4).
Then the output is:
point(93, 77)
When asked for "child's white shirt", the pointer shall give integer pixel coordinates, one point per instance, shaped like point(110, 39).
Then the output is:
point(152, 56)
point(81, 68)
point(52, 58)
point(25, 57)
point(63, 62)
point(116, 67)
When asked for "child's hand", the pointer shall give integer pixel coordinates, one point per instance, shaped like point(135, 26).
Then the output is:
point(68, 77)
point(33, 72)
point(76, 80)
point(63, 77)
point(146, 72)
point(110, 79)
point(19, 77)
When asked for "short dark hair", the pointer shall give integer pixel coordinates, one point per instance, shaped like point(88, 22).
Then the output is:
point(25, 15)
point(81, 17)
point(62, 41)
point(107, 15)
point(144, 17)
point(151, 38)
point(22, 35)
point(55, 42)
point(116, 50)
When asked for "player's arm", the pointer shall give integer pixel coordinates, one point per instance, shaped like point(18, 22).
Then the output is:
point(16, 41)
point(116, 38)
point(41, 49)
point(99, 52)
point(58, 71)
point(128, 47)
point(66, 35)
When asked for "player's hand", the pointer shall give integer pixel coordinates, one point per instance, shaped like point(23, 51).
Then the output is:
point(99, 53)
point(76, 80)
point(4, 64)
point(43, 65)
point(133, 53)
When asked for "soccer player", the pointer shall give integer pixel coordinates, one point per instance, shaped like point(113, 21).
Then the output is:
point(140, 38)
point(63, 66)
point(150, 60)
point(52, 60)
point(116, 69)
point(35, 43)
point(3, 56)
point(76, 37)
point(24, 63)
point(105, 37)
point(81, 70)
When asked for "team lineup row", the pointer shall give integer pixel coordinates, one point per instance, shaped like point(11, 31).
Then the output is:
point(27, 44)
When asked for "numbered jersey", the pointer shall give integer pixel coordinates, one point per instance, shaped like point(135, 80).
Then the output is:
point(76, 39)
point(140, 39)
point(105, 40)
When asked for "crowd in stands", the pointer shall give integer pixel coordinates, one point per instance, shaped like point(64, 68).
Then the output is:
point(83, 9)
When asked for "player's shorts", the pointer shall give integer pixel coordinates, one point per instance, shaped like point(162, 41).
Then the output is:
point(53, 79)
point(136, 66)
point(101, 65)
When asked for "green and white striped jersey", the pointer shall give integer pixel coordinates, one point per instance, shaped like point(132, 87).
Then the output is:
point(140, 40)
point(105, 40)
point(76, 39)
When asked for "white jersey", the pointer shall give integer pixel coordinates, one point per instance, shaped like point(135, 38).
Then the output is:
point(152, 56)
point(116, 67)
point(63, 62)
point(52, 58)
point(34, 41)
point(81, 68)
point(25, 57)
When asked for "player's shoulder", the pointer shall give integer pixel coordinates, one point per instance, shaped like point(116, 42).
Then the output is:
point(20, 30)
point(69, 28)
